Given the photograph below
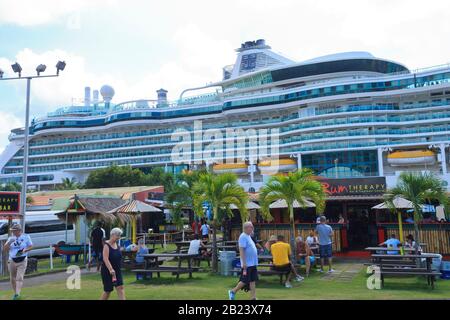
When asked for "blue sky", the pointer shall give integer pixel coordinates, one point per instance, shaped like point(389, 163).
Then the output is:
point(139, 46)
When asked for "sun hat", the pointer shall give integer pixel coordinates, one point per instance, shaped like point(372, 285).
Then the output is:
point(273, 238)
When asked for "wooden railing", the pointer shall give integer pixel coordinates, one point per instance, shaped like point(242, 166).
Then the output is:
point(435, 235)
point(265, 230)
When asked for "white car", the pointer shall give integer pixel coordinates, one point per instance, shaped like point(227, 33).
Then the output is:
point(45, 229)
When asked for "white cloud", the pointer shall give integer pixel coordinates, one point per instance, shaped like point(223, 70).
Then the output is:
point(7, 122)
point(204, 36)
point(195, 67)
point(33, 12)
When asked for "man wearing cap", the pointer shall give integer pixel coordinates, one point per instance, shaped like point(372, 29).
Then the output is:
point(18, 246)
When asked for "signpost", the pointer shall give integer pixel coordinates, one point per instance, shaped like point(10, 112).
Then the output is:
point(9, 209)
point(355, 186)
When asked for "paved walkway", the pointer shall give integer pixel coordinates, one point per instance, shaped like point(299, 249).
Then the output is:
point(345, 272)
point(43, 279)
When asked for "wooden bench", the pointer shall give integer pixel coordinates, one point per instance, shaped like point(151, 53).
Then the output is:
point(405, 265)
point(174, 270)
point(267, 272)
point(201, 258)
point(431, 276)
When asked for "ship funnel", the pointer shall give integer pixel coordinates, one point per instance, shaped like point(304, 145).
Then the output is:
point(95, 97)
point(87, 96)
point(162, 96)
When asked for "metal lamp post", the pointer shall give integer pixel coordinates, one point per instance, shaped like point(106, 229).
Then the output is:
point(18, 69)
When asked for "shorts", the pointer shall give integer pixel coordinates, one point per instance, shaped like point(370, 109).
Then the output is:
point(252, 275)
point(284, 268)
point(205, 236)
point(326, 251)
point(312, 259)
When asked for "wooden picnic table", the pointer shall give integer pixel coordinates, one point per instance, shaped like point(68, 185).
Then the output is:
point(152, 263)
point(154, 238)
point(384, 249)
point(406, 264)
point(222, 247)
point(265, 257)
point(393, 249)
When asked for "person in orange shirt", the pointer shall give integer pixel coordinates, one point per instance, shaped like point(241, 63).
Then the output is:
point(281, 253)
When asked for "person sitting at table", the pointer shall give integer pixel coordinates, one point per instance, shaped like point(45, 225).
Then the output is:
point(269, 243)
point(313, 242)
point(411, 243)
point(281, 252)
point(304, 254)
point(196, 246)
point(141, 250)
point(392, 243)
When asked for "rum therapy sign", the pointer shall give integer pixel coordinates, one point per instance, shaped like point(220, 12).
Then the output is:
point(354, 186)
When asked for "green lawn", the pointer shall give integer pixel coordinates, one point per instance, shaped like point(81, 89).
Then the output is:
point(59, 264)
point(44, 266)
point(207, 286)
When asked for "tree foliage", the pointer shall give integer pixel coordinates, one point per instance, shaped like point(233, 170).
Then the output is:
point(220, 192)
point(297, 186)
point(126, 176)
point(419, 188)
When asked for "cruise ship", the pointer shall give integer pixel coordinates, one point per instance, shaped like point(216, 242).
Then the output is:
point(348, 116)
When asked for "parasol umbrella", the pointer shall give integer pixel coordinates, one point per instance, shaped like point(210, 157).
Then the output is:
point(281, 204)
point(250, 205)
point(128, 211)
point(399, 203)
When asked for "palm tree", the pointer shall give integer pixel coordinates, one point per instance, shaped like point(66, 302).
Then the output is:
point(419, 188)
point(69, 184)
point(297, 186)
point(220, 191)
point(182, 194)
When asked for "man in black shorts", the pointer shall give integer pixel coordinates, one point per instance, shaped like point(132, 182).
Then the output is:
point(97, 242)
point(249, 262)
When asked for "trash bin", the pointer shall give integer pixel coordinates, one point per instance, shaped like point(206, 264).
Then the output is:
point(436, 263)
point(226, 262)
point(445, 270)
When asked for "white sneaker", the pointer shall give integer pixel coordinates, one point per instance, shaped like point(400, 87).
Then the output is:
point(299, 278)
point(320, 270)
point(288, 285)
point(331, 271)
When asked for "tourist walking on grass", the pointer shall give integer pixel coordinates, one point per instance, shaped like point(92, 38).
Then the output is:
point(98, 237)
point(249, 262)
point(325, 233)
point(110, 270)
point(18, 246)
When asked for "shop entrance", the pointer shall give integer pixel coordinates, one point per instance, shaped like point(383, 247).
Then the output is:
point(362, 230)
